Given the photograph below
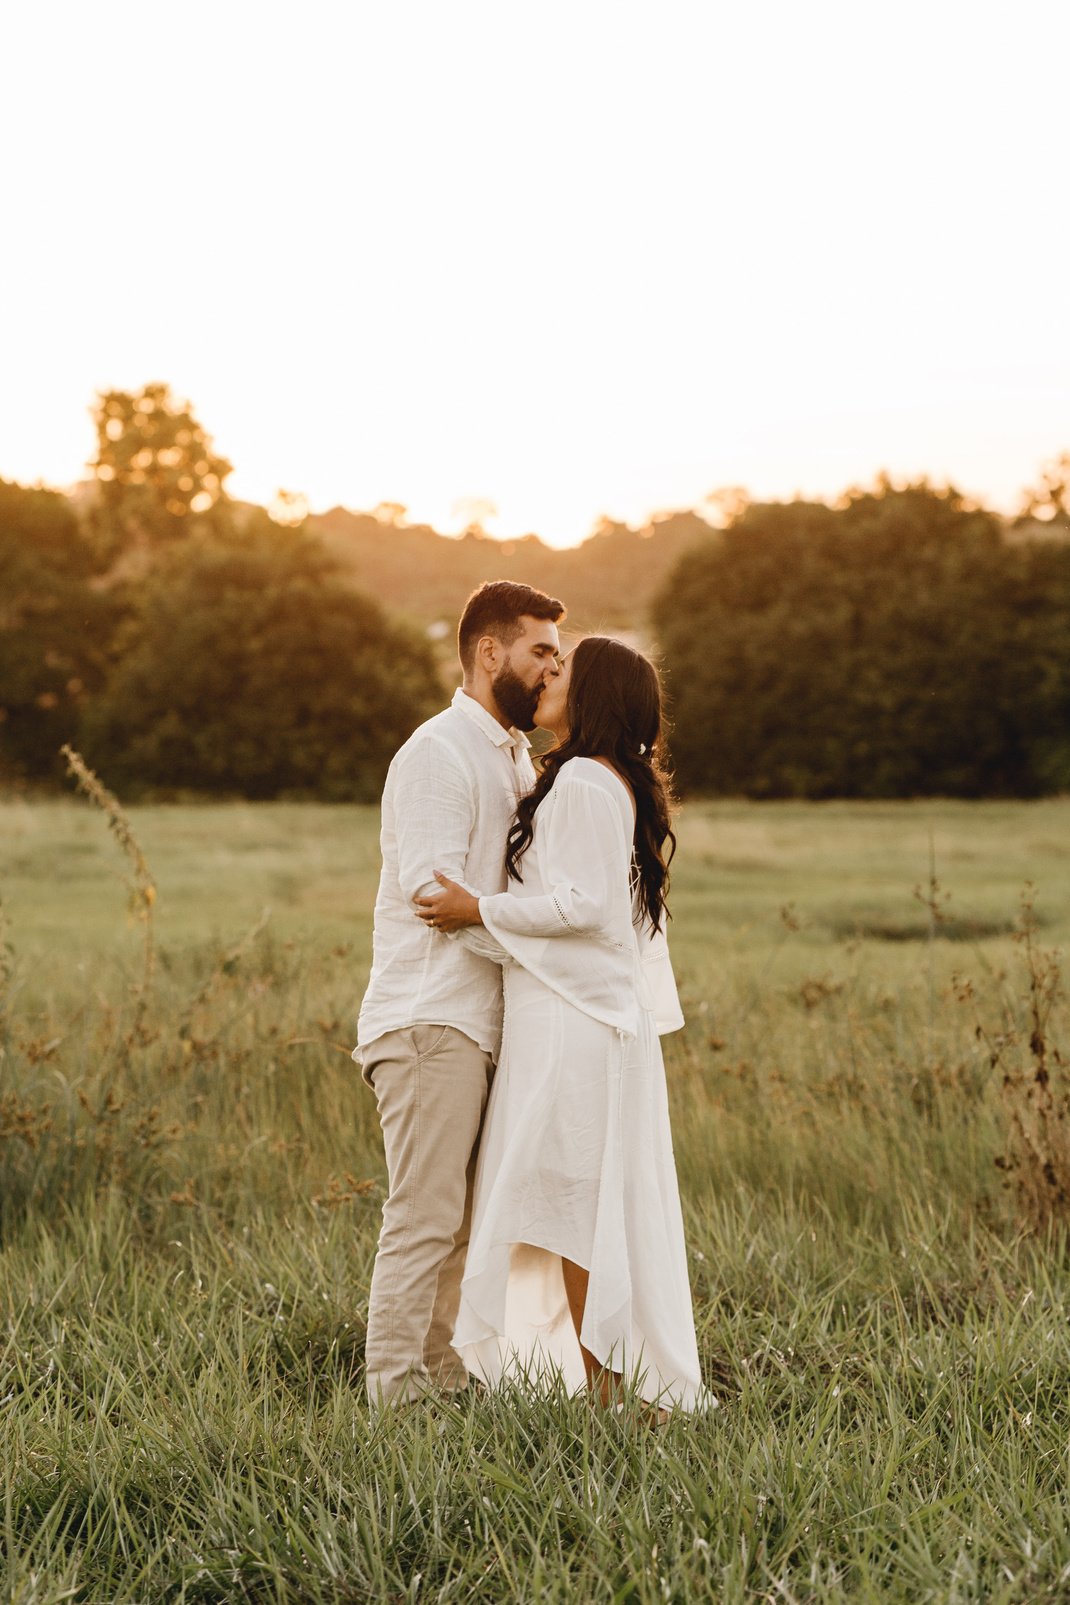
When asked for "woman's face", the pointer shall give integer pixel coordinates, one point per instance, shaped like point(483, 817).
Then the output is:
point(551, 712)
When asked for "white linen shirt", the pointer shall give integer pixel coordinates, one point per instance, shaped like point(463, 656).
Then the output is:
point(449, 800)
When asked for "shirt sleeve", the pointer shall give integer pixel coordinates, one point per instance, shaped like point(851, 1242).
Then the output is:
point(477, 939)
point(434, 814)
point(580, 851)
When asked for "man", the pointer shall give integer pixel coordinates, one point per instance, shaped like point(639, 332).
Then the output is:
point(430, 1024)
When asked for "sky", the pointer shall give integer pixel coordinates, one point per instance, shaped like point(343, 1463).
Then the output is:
point(561, 261)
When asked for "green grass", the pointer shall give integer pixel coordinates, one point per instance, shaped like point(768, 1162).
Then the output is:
point(189, 1213)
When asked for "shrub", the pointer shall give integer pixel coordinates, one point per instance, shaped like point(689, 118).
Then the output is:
point(253, 668)
point(895, 646)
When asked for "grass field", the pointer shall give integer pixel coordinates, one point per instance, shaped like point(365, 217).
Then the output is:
point(191, 1185)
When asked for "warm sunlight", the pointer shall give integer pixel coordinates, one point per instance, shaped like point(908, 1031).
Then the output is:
point(534, 802)
point(590, 260)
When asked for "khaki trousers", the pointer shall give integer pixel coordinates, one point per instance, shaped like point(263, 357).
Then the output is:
point(431, 1084)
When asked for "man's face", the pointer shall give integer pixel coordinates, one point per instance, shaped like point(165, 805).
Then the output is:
point(529, 665)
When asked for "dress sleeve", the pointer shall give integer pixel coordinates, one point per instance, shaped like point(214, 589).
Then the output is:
point(659, 982)
point(580, 850)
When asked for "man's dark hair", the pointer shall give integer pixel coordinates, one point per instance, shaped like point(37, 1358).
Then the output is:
point(497, 608)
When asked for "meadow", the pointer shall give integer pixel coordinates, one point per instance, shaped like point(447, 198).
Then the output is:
point(869, 1109)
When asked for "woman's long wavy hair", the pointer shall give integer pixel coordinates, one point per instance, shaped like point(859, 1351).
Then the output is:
point(614, 711)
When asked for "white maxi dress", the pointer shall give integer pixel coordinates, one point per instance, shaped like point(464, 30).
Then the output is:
point(576, 1159)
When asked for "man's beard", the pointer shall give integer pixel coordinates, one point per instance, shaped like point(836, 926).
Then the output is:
point(516, 700)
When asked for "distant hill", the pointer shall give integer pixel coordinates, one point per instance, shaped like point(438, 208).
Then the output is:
point(608, 582)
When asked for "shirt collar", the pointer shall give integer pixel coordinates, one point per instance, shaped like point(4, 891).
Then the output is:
point(487, 723)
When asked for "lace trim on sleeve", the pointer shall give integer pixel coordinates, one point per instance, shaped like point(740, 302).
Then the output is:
point(564, 918)
point(634, 877)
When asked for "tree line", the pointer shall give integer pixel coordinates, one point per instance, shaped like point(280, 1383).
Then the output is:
point(900, 642)
point(184, 642)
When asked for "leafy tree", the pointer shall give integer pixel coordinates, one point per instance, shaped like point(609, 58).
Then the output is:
point(1037, 599)
point(255, 668)
point(56, 629)
point(1049, 501)
point(893, 646)
point(156, 467)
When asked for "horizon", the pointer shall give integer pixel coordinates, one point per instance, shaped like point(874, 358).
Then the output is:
point(707, 512)
point(593, 267)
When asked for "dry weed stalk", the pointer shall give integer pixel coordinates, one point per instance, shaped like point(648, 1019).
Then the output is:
point(23, 1120)
point(933, 898)
point(1036, 1092)
point(7, 958)
point(140, 884)
point(226, 966)
point(338, 1192)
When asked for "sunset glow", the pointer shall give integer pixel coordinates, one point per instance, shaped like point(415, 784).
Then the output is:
point(544, 263)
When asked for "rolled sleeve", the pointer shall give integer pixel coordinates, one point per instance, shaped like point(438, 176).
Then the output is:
point(478, 940)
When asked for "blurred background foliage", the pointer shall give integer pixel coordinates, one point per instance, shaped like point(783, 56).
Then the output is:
point(251, 666)
point(901, 642)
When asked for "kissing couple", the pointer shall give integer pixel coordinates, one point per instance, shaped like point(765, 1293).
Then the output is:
point(532, 1228)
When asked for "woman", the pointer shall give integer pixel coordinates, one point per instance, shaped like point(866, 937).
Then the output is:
point(576, 1260)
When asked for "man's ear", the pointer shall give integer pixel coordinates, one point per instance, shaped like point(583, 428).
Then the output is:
point(488, 649)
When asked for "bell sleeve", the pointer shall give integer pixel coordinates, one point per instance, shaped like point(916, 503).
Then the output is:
point(571, 926)
point(580, 850)
point(659, 982)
